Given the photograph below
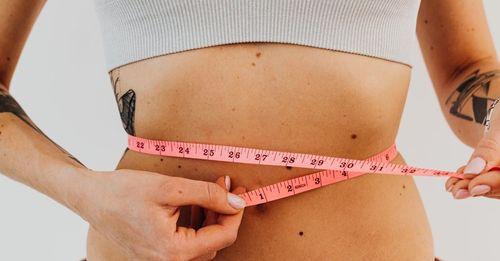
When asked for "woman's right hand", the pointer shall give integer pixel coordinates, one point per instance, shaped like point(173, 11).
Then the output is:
point(138, 211)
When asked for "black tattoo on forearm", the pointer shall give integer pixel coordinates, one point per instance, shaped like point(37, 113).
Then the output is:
point(9, 105)
point(475, 89)
point(126, 104)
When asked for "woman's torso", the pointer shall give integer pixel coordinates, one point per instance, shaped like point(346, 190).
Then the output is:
point(289, 98)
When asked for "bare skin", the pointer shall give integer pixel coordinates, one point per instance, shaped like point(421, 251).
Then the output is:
point(262, 95)
point(291, 98)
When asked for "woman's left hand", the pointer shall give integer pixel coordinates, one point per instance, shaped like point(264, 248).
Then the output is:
point(481, 176)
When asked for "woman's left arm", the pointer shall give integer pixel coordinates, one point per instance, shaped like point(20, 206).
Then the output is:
point(462, 62)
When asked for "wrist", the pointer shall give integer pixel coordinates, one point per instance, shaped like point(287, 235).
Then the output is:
point(79, 191)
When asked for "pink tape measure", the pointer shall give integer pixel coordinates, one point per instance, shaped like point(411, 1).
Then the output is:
point(333, 169)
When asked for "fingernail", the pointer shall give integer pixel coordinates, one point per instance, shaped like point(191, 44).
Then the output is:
point(236, 201)
point(449, 188)
point(475, 166)
point(227, 180)
point(461, 194)
point(480, 190)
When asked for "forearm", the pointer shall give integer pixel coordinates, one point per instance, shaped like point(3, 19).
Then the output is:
point(30, 157)
point(466, 97)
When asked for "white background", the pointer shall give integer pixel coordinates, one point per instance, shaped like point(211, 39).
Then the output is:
point(62, 84)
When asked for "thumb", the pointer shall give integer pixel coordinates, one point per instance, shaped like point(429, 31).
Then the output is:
point(181, 192)
point(487, 153)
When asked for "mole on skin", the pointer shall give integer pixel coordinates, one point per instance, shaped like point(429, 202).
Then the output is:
point(301, 233)
point(179, 166)
point(261, 207)
point(354, 136)
point(257, 54)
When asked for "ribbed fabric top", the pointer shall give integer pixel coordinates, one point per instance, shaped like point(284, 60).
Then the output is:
point(138, 29)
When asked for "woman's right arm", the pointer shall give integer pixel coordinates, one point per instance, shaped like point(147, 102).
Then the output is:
point(26, 154)
point(135, 209)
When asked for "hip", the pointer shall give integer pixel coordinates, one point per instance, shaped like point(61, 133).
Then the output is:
point(371, 217)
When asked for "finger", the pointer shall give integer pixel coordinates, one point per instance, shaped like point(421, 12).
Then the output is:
point(232, 219)
point(487, 184)
point(217, 236)
point(211, 216)
point(486, 154)
point(180, 191)
point(452, 180)
point(229, 219)
point(460, 189)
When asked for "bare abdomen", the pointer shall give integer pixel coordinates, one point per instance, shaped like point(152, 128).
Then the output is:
point(288, 98)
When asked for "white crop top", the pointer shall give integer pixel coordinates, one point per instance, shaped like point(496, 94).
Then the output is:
point(138, 29)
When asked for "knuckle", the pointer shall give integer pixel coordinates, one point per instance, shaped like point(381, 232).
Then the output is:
point(211, 191)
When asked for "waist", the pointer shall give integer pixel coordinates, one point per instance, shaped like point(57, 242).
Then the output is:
point(330, 169)
point(287, 97)
point(284, 98)
point(362, 216)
